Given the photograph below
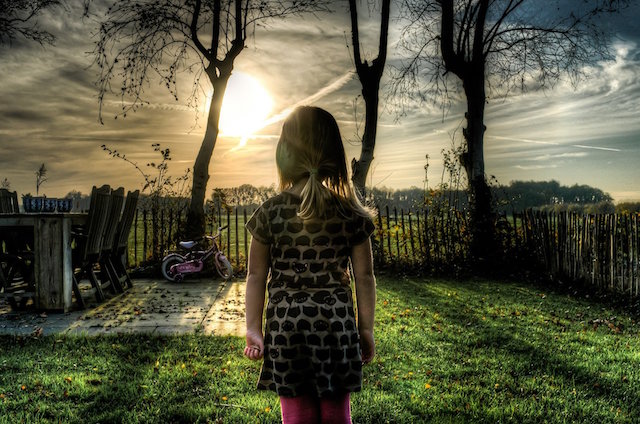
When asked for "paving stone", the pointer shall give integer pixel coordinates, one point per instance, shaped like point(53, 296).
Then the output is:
point(160, 307)
point(225, 328)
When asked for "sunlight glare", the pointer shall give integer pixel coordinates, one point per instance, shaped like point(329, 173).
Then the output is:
point(245, 107)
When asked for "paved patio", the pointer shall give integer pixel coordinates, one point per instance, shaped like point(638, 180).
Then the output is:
point(155, 306)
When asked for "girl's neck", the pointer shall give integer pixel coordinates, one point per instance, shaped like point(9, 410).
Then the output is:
point(297, 187)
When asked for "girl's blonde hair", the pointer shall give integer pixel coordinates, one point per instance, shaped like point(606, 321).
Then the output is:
point(310, 146)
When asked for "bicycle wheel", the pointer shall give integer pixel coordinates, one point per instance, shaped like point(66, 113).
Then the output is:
point(223, 266)
point(167, 263)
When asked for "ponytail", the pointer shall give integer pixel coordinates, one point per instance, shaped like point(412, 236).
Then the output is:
point(315, 197)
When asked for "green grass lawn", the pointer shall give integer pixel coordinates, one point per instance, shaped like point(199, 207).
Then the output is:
point(448, 351)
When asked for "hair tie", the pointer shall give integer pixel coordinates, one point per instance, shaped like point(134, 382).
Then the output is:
point(313, 171)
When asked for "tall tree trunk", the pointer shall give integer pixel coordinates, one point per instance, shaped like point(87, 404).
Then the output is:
point(195, 225)
point(482, 236)
point(369, 76)
point(360, 167)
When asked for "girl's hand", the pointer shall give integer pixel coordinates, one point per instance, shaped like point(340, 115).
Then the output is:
point(368, 346)
point(255, 345)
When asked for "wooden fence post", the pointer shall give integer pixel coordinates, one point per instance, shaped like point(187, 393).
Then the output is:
point(419, 230)
point(413, 248)
point(237, 241)
point(229, 234)
point(381, 242)
point(162, 234)
point(246, 242)
point(135, 238)
point(144, 236)
point(389, 235)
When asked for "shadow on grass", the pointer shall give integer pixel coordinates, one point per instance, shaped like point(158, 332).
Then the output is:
point(132, 378)
point(489, 352)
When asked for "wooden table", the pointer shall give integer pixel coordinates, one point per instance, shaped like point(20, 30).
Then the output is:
point(53, 271)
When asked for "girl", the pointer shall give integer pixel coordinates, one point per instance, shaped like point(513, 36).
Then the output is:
point(313, 349)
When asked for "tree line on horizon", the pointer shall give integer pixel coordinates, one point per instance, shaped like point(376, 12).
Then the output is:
point(517, 196)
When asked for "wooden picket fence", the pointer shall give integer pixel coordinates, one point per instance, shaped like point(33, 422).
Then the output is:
point(599, 249)
point(149, 246)
point(402, 239)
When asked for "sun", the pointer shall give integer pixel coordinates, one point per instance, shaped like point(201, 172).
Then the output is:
point(245, 107)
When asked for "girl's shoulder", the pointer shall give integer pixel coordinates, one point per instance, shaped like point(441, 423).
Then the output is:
point(281, 199)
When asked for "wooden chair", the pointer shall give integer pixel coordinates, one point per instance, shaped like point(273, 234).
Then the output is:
point(12, 240)
point(116, 261)
point(8, 201)
point(8, 204)
point(16, 260)
point(89, 243)
point(16, 279)
point(111, 228)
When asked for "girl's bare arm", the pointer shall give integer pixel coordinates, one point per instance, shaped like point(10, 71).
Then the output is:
point(362, 263)
point(257, 272)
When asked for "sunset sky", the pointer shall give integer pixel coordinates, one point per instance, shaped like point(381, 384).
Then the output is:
point(589, 134)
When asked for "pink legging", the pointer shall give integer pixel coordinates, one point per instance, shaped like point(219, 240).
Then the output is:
point(308, 409)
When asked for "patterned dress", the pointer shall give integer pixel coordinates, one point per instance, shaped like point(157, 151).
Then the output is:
point(311, 339)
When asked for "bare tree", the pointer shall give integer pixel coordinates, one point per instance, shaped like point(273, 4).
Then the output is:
point(144, 39)
point(496, 45)
point(19, 18)
point(369, 75)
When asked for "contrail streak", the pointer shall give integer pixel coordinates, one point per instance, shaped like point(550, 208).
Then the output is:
point(608, 149)
point(579, 146)
point(334, 86)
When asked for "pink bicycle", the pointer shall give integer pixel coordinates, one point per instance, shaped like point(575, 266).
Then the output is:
point(175, 266)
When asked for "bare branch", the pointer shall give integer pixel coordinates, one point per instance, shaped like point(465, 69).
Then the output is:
point(194, 32)
point(215, 37)
point(384, 32)
point(355, 38)
point(18, 18)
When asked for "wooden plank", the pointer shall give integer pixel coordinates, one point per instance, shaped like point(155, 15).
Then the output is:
point(67, 265)
point(48, 250)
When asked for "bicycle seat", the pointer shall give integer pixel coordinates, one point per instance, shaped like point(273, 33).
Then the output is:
point(187, 244)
